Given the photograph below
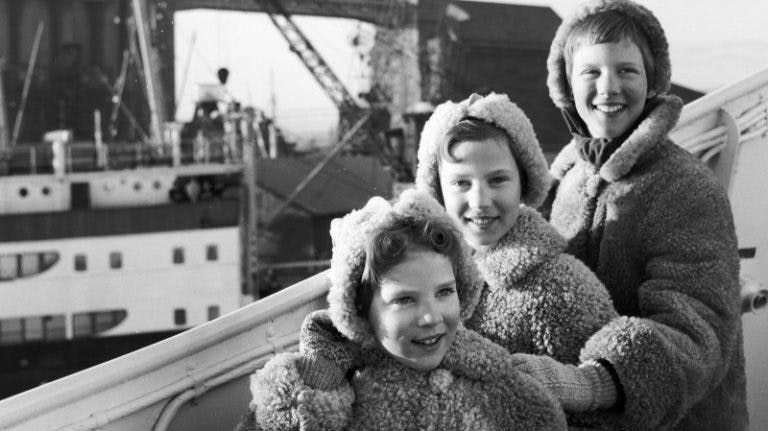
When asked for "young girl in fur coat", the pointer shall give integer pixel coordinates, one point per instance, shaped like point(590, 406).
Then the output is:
point(402, 283)
point(480, 158)
point(651, 221)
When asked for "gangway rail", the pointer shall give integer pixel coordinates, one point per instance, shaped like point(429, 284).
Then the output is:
point(138, 386)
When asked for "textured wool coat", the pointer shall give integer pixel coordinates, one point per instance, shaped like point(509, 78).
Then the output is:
point(656, 228)
point(537, 298)
point(475, 388)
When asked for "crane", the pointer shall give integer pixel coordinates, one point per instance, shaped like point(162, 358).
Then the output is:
point(368, 137)
point(349, 110)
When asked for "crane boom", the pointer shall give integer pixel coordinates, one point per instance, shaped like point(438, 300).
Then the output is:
point(301, 45)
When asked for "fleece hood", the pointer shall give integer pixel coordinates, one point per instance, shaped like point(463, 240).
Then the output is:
point(498, 110)
point(350, 235)
point(557, 80)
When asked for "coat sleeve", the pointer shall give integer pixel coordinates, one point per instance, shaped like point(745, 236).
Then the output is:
point(573, 306)
point(685, 338)
point(523, 400)
point(281, 400)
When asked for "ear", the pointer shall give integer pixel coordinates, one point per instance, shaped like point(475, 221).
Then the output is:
point(651, 94)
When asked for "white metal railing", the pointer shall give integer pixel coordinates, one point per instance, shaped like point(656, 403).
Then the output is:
point(717, 123)
point(150, 384)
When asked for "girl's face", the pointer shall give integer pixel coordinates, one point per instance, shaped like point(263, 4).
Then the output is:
point(609, 87)
point(481, 190)
point(415, 310)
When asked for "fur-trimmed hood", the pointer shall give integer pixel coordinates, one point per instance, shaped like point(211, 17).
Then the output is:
point(557, 80)
point(498, 110)
point(649, 133)
point(350, 235)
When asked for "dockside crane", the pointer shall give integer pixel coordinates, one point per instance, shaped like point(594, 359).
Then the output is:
point(369, 123)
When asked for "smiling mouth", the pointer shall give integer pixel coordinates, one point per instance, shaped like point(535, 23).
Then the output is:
point(481, 222)
point(429, 341)
point(609, 108)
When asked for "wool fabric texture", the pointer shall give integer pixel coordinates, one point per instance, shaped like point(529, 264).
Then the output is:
point(538, 299)
point(495, 109)
point(656, 228)
point(476, 387)
point(557, 79)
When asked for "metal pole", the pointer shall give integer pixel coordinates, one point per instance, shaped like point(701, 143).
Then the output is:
point(3, 117)
point(185, 75)
point(27, 82)
point(101, 160)
point(138, 14)
point(351, 132)
point(134, 122)
point(117, 95)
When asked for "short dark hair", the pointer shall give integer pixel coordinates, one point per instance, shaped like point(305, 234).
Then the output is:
point(609, 26)
point(474, 129)
point(389, 246)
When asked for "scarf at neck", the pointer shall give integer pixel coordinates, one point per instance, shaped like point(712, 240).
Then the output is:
point(597, 151)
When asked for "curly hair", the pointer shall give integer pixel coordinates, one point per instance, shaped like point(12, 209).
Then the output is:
point(389, 247)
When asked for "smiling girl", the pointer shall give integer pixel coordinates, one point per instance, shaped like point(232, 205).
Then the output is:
point(480, 158)
point(402, 284)
point(651, 221)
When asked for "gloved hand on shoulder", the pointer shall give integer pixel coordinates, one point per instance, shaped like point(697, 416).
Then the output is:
point(582, 388)
point(327, 354)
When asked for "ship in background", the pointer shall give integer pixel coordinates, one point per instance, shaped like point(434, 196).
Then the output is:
point(119, 228)
point(237, 204)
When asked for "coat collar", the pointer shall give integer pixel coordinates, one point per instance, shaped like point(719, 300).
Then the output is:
point(529, 243)
point(649, 133)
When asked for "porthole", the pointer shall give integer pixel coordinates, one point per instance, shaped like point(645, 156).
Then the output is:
point(46, 191)
point(157, 184)
point(137, 186)
point(23, 192)
point(180, 316)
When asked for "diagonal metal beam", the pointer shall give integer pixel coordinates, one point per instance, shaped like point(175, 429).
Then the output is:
point(316, 170)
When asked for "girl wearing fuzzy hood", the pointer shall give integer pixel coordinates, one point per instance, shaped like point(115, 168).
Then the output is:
point(480, 158)
point(402, 282)
point(651, 221)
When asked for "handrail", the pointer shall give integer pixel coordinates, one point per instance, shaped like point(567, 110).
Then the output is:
point(106, 392)
point(714, 100)
point(703, 129)
point(719, 122)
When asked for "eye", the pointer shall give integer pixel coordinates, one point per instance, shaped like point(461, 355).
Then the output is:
point(447, 291)
point(589, 72)
point(498, 180)
point(462, 183)
point(403, 300)
point(629, 71)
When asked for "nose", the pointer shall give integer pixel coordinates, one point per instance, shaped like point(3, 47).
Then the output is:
point(607, 83)
point(429, 315)
point(479, 197)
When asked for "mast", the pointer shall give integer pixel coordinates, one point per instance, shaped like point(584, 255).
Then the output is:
point(149, 60)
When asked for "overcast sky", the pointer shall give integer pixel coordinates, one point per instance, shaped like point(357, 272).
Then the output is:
point(712, 43)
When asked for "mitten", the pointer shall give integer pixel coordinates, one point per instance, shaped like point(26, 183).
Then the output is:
point(579, 389)
point(327, 354)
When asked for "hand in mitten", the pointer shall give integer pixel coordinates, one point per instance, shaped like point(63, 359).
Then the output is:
point(579, 389)
point(328, 354)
